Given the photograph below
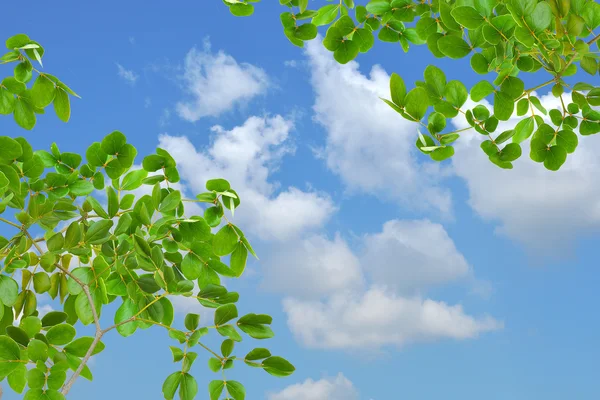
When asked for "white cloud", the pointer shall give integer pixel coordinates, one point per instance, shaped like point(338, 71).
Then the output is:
point(409, 255)
point(379, 318)
point(217, 82)
point(545, 211)
point(332, 303)
point(128, 75)
point(338, 388)
point(290, 63)
point(131, 40)
point(312, 267)
point(246, 156)
point(368, 145)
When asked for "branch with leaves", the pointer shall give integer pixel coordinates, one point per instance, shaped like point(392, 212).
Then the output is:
point(97, 244)
point(24, 102)
point(507, 38)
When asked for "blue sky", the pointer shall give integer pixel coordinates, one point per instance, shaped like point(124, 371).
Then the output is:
point(388, 276)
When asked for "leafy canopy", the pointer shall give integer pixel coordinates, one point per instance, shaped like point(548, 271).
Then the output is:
point(505, 40)
point(82, 231)
point(25, 102)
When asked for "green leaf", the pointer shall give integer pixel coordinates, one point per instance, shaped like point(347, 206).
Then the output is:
point(215, 388)
point(225, 313)
point(60, 334)
point(456, 93)
point(397, 89)
point(453, 46)
point(417, 103)
point(43, 91)
point(170, 202)
point(346, 51)
point(192, 321)
point(523, 130)
point(504, 106)
point(24, 114)
point(481, 90)
point(242, 9)
point(555, 158)
point(62, 105)
point(17, 380)
point(278, 366)
point(9, 290)
point(541, 17)
point(467, 17)
point(81, 346)
point(126, 311)
point(133, 179)
point(236, 390)
point(567, 139)
point(326, 15)
point(442, 153)
point(37, 350)
point(171, 385)
point(379, 7)
point(225, 240)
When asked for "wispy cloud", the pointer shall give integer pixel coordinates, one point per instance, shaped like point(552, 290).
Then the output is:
point(128, 75)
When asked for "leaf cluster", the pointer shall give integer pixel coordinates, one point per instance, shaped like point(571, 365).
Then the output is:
point(508, 39)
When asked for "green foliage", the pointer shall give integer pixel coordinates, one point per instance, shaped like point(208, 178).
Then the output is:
point(506, 38)
point(25, 102)
point(95, 250)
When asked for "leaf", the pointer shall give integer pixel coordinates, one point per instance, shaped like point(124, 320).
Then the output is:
point(23, 114)
point(191, 321)
point(481, 90)
point(60, 334)
point(188, 388)
point(225, 313)
point(170, 202)
point(126, 311)
point(417, 103)
point(81, 346)
point(379, 7)
point(503, 106)
point(133, 179)
point(541, 17)
point(453, 46)
point(397, 89)
point(236, 390)
point(225, 240)
point(171, 385)
point(215, 388)
point(467, 17)
point(43, 91)
point(278, 366)
point(523, 130)
point(241, 10)
point(555, 158)
point(62, 105)
point(9, 290)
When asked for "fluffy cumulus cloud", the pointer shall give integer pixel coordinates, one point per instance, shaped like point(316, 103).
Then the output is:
point(337, 388)
point(378, 318)
point(216, 82)
point(368, 145)
point(543, 210)
point(413, 254)
point(341, 299)
point(319, 264)
point(246, 155)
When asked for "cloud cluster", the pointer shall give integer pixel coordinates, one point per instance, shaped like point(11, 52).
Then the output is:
point(216, 83)
point(368, 144)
